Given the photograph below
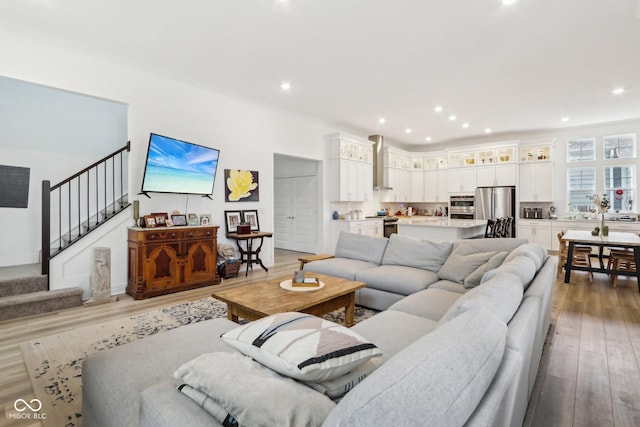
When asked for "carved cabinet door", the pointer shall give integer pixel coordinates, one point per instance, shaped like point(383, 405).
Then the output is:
point(162, 266)
point(199, 261)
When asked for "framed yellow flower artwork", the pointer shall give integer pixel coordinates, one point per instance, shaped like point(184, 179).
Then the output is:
point(241, 185)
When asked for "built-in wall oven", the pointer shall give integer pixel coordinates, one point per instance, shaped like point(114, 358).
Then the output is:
point(462, 207)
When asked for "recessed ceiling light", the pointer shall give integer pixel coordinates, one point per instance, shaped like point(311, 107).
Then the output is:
point(618, 91)
point(285, 86)
point(487, 130)
point(452, 118)
point(508, 2)
point(565, 119)
point(382, 120)
point(465, 125)
point(428, 139)
point(438, 108)
point(407, 130)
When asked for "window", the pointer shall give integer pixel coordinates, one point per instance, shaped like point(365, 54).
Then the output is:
point(620, 146)
point(582, 149)
point(619, 186)
point(581, 186)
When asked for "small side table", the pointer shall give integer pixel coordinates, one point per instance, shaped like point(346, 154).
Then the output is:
point(250, 255)
point(305, 259)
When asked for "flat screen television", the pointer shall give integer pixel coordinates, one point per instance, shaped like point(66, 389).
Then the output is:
point(175, 166)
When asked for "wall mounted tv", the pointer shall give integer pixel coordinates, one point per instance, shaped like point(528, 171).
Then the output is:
point(175, 166)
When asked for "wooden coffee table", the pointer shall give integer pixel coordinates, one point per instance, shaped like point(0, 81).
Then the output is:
point(256, 300)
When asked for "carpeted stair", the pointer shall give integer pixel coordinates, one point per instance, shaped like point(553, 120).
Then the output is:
point(27, 296)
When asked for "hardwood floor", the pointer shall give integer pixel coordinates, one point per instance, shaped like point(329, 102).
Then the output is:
point(589, 375)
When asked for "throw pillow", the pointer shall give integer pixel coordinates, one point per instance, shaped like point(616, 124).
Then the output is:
point(251, 393)
point(363, 248)
point(302, 346)
point(473, 279)
point(422, 254)
point(520, 266)
point(336, 388)
point(457, 267)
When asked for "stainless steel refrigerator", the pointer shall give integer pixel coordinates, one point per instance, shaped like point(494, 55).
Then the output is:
point(496, 202)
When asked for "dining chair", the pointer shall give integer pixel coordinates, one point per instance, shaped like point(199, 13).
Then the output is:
point(581, 256)
point(620, 259)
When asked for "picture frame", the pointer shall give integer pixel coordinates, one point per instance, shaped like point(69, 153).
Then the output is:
point(150, 221)
point(250, 216)
point(161, 218)
point(179, 220)
point(168, 223)
point(192, 219)
point(232, 219)
point(205, 219)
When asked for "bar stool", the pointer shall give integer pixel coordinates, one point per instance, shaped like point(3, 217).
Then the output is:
point(490, 231)
point(581, 256)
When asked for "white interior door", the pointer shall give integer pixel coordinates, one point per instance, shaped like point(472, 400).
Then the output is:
point(295, 213)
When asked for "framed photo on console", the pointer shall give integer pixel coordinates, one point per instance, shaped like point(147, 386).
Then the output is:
point(232, 219)
point(205, 219)
point(161, 218)
point(179, 220)
point(251, 217)
point(150, 221)
point(193, 219)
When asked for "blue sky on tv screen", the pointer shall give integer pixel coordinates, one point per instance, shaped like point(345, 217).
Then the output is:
point(173, 154)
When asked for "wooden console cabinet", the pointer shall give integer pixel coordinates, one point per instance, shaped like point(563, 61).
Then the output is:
point(165, 260)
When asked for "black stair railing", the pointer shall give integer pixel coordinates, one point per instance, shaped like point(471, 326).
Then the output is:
point(81, 203)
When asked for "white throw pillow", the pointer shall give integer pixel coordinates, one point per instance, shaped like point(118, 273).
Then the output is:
point(302, 346)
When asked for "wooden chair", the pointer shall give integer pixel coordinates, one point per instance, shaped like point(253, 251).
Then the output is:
point(581, 256)
point(620, 259)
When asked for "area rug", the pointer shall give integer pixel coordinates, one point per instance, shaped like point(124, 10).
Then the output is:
point(54, 362)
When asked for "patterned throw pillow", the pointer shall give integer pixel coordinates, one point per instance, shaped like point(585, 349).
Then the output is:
point(302, 346)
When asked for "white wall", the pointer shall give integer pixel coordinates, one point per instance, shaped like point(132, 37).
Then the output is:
point(246, 134)
point(54, 133)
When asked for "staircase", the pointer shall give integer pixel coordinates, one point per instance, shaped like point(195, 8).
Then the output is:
point(26, 296)
point(71, 210)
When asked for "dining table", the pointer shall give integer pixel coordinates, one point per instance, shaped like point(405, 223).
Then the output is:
point(618, 240)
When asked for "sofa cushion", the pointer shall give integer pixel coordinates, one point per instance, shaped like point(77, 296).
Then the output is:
point(537, 253)
point(410, 252)
point(473, 279)
point(458, 266)
point(397, 279)
point(469, 246)
point(253, 394)
point(431, 303)
point(394, 330)
point(501, 296)
point(411, 390)
point(339, 267)
point(302, 346)
point(448, 285)
point(521, 266)
point(363, 248)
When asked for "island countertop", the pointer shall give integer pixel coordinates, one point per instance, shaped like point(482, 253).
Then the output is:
point(440, 222)
point(437, 229)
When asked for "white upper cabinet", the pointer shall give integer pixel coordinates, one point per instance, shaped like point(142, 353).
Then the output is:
point(536, 182)
point(461, 180)
point(350, 168)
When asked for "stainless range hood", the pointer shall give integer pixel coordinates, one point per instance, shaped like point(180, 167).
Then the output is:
point(378, 162)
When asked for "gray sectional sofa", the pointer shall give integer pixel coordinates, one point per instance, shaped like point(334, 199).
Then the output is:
point(461, 334)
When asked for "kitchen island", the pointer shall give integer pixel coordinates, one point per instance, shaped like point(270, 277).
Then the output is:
point(440, 229)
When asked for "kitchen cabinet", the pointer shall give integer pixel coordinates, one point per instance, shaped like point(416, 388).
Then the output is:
point(435, 186)
point(461, 180)
point(536, 231)
point(417, 186)
point(495, 175)
point(165, 260)
point(350, 169)
point(462, 159)
point(400, 181)
point(536, 182)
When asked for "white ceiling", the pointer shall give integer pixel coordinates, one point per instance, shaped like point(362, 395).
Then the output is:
point(511, 68)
